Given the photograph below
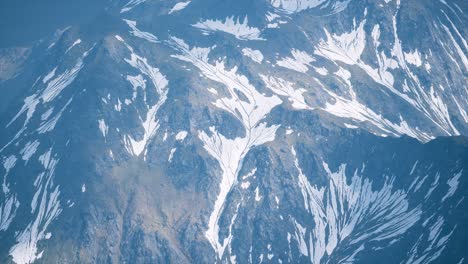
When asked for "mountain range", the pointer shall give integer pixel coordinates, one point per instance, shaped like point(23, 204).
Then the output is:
point(204, 131)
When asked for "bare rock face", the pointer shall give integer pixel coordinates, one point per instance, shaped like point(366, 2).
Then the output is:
point(238, 132)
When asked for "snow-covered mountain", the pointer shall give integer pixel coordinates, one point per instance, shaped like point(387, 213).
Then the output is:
point(267, 131)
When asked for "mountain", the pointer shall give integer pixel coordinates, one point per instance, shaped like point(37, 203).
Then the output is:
point(285, 131)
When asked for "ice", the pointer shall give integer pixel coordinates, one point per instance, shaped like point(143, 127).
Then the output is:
point(49, 124)
point(255, 55)
point(140, 34)
point(103, 127)
point(272, 16)
point(118, 106)
point(249, 110)
point(171, 154)
point(294, 6)
point(78, 41)
point(57, 84)
point(245, 185)
point(45, 208)
point(352, 109)
point(181, 135)
point(136, 82)
point(430, 243)
point(241, 30)
point(463, 41)
point(47, 114)
point(285, 88)
point(250, 174)
point(350, 126)
point(54, 87)
point(462, 111)
point(300, 236)
point(212, 90)
point(322, 71)
point(45, 158)
point(440, 111)
point(47, 95)
point(351, 212)
point(413, 58)
point(130, 5)
point(300, 61)
point(179, 6)
point(29, 149)
point(49, 76)
point(119, 38)
point(10, 203)
point(258, 197)
point(429, 104)
point(453, 185)
point(433, 186)
point(8, 211)
point(457, 47)
point(414, 167)
point(9, 163)
point(348, 47)
point(149, 122)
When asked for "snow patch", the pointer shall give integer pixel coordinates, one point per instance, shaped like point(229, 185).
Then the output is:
point(179, 6)
point(258, 197)
point(249, 110)
point(49, 76)
point(255, 55)
point(241, 30)
point(29, 149)
point(413, 58)
point(78, 41)
point(181, 135)
point(54, 87)
point(10, 204)
point(45, 208)
point(149, 122)
point(171, 154)
point(453, 185)
point(350, 212)
point(299, 61)
point(140, 34)
point(322, 71)
point(245, 185)
point(103, 127)
point(285, 88)
point(130, 5)
point(295, 6)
